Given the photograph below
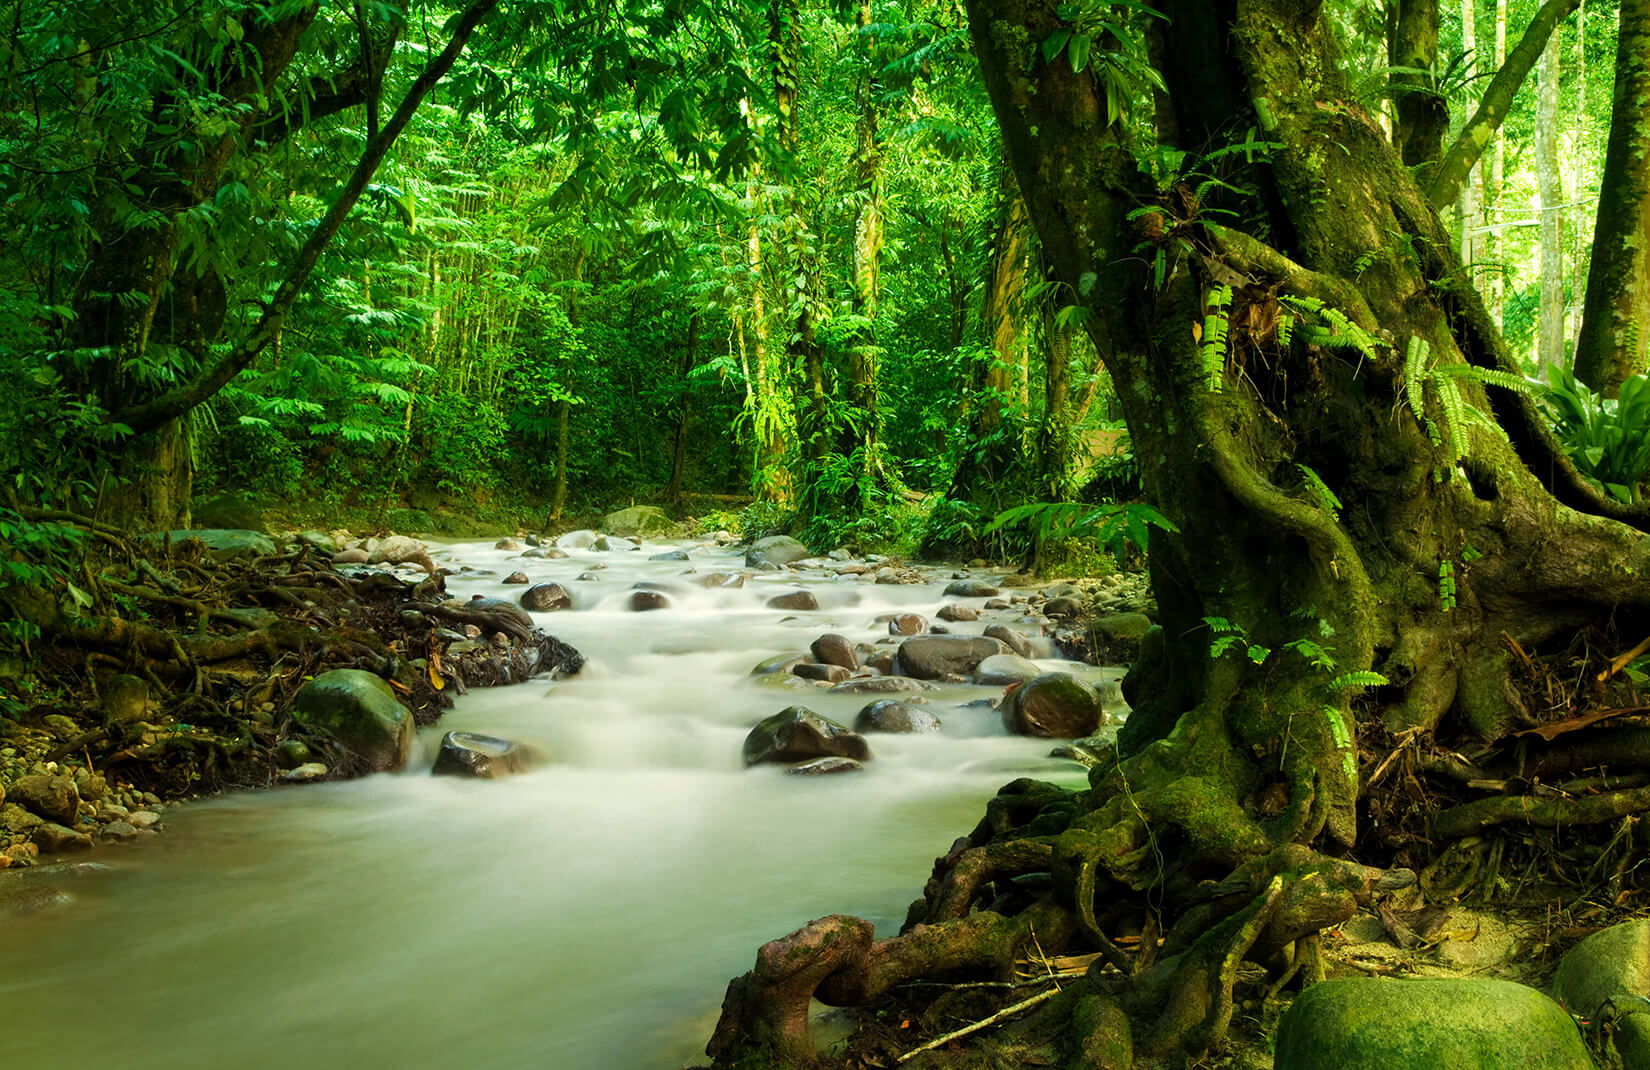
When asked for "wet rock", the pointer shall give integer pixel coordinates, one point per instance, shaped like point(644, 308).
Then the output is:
point(397, 550)
point(797, 734)
point(54, 798)
point(933, 657)
point(228, 544)
point(954, 612)
point(125, 698)
point(826, 767)
point(582, 539)
point(643, 601)
point(507, 544)
point(554, 554)
point(1611, 965)
point(779, 663)
point(1062, 607)
point(881, 660)
point(831, 674)
point(1010, 638)
point(834, 649)
point(881, 685)
point(793, 600)
point(350, 557)
point(118, 831)
point(971, 589)
point(775, 550)
point(614, 543)
point(730, 580)
point(515, 578)
point(643, 520)
point(292, 753)
point(999, 670)
point(488, 757)
point(306, 773)
point(361, 710)
point(1056, 705)
point(670, 555)
point(1117, 636)
point(546, 597)
point(19, 896)
point(997, 603)
point(890, 715)
point(1420, 1023)
point(501, 606)
point(53, 838)
point(587, 576)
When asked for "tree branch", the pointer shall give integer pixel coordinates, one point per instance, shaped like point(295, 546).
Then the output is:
point(174, 403)
point(1497, 101)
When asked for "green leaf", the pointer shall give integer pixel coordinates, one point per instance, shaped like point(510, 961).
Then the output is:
point(1053, 43)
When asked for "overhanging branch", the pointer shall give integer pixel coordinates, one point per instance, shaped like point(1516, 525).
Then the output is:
point(1497, 101)
point(150, 415)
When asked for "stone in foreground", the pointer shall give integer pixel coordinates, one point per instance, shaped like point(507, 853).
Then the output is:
point(1612, 965)
point(1427, 1024)
point(890, 715)
point(1056, 705)
point(361, 710)
point(934, 657)
point(797, 734)
point(486, 757)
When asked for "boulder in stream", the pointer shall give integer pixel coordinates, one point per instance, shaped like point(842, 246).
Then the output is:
point(934, 657)
point(545, 597)
point(831, 674)
point(890, 715)
point(881, 685)
point(793, 600)
point(517, 578)
point(971, 589)
point(999, 670)
point(796, 734)
point(362, 711)
point(583, 539)
point(1056, 705)
point(644, 600)
point(775, 550)
point(834, 649)
point(486, 757)
point(826, 767)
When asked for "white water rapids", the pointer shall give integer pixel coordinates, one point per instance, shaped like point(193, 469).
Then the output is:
point(584, 916)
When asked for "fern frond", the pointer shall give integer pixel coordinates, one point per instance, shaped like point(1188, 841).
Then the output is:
point(1320, 492)
point(1415, 374)
point(1455, 415)
point(1346, 681)
point(1214, 336)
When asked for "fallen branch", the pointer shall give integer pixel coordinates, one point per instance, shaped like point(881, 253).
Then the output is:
point(985, 1023)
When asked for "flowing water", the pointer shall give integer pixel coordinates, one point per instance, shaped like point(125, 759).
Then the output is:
point(587, 914)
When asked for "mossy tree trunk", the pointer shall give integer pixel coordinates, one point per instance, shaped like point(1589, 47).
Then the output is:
point(1314, 505)
point(1614, 341)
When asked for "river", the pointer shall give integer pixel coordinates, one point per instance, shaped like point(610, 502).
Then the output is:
point(584, 916)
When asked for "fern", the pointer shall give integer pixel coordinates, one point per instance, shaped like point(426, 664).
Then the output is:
point(1348, 681)
point(1320, 492)
point(1455, 415)
point(1326, 326)
point(1415, 374)
point(1446, 585)
point(1214, 336)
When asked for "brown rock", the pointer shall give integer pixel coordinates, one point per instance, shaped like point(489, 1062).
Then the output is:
point(831, 674)
point(908, 624)
point(834, 649)
point(794, 600)
point(53, 838)
point(52, 797)
point(955, 612)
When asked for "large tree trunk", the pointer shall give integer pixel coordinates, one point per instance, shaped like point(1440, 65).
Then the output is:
point(1333, 488)
point(1614, 341)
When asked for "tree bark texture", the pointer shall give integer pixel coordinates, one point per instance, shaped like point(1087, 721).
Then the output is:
point(1615, 342)
point(1436, 553)
point(1551, 334)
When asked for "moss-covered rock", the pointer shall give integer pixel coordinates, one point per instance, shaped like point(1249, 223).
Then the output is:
point(797, 734)
point(1055, 705)
point(643, 520)
point(227, 544)
point(362, 711)
point(1612, 965)
point(775, 550)
point(1425, 1024)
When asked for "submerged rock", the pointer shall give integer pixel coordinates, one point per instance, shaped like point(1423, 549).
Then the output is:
point(488, 757)
point(890, 715)
point(779, 663)
point(1002, 669)
point(826, 767)
point(796, 734)
point(362, 711)
point(881, 685)
point(642, 601)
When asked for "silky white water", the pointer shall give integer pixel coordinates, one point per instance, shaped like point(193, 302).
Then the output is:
point(587, 914)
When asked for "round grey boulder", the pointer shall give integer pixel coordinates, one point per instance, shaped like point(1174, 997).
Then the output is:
point(796, 734)
point(935, 657)
point(1611, 965)
point(1427, 1024)
point(971, 589)
point(1055, 705)
point(889, 715)
point(361, 710)
point(775, 550)
point(583, 539)
point(546, 597)
point(485, 757)
point(1000, 670)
